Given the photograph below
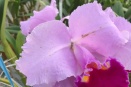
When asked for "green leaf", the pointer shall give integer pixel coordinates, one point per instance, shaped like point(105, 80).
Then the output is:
point(118, 8)
point(14, 8)
point(7, 48)
point(1, 48)
point(3, 80)
point(70, 5)
point(11, 41)
point(10, 38)
point(1, 10)
point(20, 39)
point(128, 13)
point(130, 78)
point(26, 15)
point(13, 29)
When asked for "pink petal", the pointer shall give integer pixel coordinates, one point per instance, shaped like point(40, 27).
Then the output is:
point(123, 54)
point(47, 57)
point(122, 24)
point(86, 19)
point(47, 14)
point(83, 56)
point(53, 4)
point(111, 13)
point(43, 85)
point(114, 76)
point(92, 28)
point(106, 41)
point(69, 82)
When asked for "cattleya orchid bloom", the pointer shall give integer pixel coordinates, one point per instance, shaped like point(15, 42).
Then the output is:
point(54, 54)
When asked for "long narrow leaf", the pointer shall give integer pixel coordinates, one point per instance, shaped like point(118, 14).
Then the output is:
point(20, 39)
point(7, 49)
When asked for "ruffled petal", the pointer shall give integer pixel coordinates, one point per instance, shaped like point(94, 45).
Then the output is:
point(106, 41)
point(53, 4)
point(111, 75)
point(86, 19)
point(47, 14)
point(123, 54)
point(111, 13)
point(69, 82)
point(47, 57)
point(120, 22)
point(92, 28)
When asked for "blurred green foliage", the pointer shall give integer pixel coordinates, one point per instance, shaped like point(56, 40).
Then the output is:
point(11, 38)
point(121, 7)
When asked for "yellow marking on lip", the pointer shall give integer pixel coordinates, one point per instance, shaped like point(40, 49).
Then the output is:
point(85, 79)
point(92, 65)
point(103, 67)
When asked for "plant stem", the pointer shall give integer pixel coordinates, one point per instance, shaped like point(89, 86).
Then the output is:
point(7, 49)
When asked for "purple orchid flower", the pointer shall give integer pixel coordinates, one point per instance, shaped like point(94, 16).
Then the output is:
point(54, 54)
